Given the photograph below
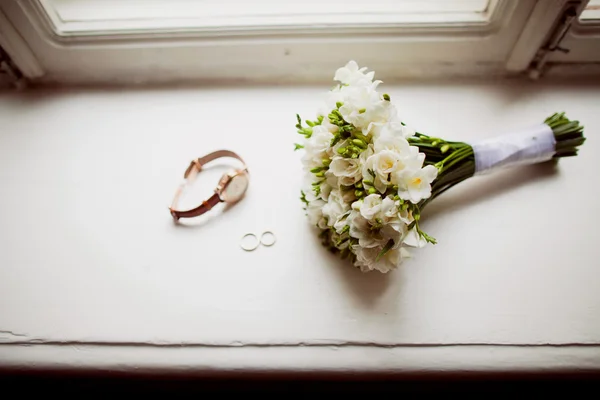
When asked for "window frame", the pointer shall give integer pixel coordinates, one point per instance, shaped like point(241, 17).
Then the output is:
point(289, 54)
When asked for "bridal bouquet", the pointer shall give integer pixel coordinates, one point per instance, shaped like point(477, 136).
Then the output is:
point(370, 176)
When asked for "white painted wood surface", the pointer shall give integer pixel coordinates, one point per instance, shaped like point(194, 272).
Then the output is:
point(94, 274)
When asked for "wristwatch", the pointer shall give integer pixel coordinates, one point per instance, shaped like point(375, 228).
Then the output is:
point(231, 187)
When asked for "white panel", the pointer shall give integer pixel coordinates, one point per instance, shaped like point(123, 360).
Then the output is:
point(84, 15)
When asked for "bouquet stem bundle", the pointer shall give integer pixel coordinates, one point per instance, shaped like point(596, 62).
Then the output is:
point(456, 160)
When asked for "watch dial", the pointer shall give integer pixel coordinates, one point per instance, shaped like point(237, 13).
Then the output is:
point(236, 188)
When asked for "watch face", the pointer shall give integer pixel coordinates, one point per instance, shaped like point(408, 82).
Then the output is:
point(236, 188)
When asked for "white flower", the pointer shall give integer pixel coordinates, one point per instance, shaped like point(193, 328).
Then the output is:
point(376, 128)
point(326, 185)
point(371, 206)
point(360, 228)
point(366, 154)
point(369, 166)
point(407, 131)
point(331, 99)
point(413, 239)
point(387, 162)
point(366, 258)
point(331, 182)
point(352, 75)
point(384, 164)
point(338, 145)
point(341, 223)
point(315, 213)
point(415, 185)
point(335, 207)
point(374, 208)
point(406, 216)
point(363, 106)
point(347, 169)
point(408, 156)
point(394, 128)
point(389, 140)
point(391, 217)
point(317, 147)
point(328, 125)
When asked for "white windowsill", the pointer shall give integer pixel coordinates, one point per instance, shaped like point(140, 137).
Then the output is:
point(95, 275)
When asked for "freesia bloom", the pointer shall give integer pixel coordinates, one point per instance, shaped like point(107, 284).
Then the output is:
point(317, 147)
point(315, 213)
point(366, 259)
point(350, 74)
point(335, 207)
point(371, 206)
point(415, 185)
point(347, 169)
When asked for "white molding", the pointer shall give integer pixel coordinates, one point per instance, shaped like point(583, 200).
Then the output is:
point(18, 50)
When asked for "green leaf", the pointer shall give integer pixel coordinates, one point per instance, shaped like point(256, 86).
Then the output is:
point(299, 119)
point(388, 246)
point(298, 146)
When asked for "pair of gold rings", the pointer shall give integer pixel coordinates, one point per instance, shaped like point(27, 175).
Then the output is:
point(250, 241)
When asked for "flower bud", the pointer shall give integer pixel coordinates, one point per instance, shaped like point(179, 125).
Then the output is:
point(359, 143)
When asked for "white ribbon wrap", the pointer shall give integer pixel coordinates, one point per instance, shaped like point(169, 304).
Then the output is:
point(529, 146)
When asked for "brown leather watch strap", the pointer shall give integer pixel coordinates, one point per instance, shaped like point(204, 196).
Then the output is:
point(190, 174)
point(201, 209)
